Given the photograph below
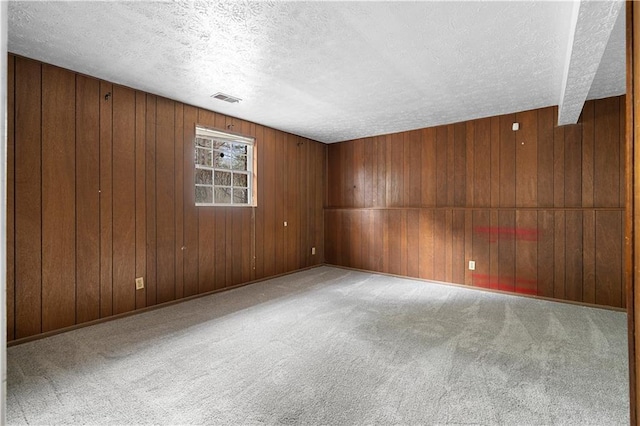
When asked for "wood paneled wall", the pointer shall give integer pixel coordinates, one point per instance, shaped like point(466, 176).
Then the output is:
point(101, 191)
point(539, 210)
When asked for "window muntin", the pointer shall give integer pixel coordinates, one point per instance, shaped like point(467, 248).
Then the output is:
point(223, 169)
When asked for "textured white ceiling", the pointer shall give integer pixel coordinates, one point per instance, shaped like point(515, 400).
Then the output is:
point(330, 71)
point(592, 24)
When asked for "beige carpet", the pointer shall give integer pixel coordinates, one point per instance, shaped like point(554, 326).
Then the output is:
point(330, 346)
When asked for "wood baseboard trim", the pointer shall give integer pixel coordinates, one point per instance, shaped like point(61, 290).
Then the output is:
point(529, 296)
point(147, 308)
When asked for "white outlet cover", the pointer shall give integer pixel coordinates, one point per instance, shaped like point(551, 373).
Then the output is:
point(472, 265)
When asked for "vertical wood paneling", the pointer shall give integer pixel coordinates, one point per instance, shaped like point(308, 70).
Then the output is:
point(623, 152)
point(413, 243)
point(87, 199)
point(370, 165)
point(526, 147)
point(397, 242)
point(546, 119)
point(577, 252)
point(426, 249)
point(355, 234)
point(588, 161)
point(358, 172)
point(150, 166)
point(124, 199)
point(179, 199)
point(381, 184)
point(58, 198)
point(545, 253)
point(305, 209)
point(268, 174)
point(395, 169)
point(236, 217)
point(102, 186)
point(588, 256)
point(10, 235)
point(28, 203)
point(482, 163)
point(607, 153)
point(468, 246)
point(378, 240)
point(332, 237)
point(348, 182)
point(428, 168)
point(494, 260)
point(506, 251)
point(385, 240)
point(279, 190)
point(608, 258)
point(442, 140)
point(573, 166)
point(459, 164)
point(140, 194)
point(573, 255)
point(458, 247)
point(495, 161)
point(292, 202)
point(213, 249)
point(451, 152)
point(412, 172)
point(247, 250)
point(106, 200)
point(228, 245)
point(507, 161)
point(334, 180)
point(367, 239)
point(260, 209)
point(470, 169)
point(526, 238)
point(481, 248)
point(343, 239)
point(559, 255)
point(439, 258)
point(165, 200)
point(558, 164)
point(448, 246)
point(191, 256)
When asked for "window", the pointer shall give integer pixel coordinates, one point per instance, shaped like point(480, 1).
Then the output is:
point(224, 169)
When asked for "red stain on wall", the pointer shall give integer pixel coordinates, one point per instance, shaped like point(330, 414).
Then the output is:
point(519, 285)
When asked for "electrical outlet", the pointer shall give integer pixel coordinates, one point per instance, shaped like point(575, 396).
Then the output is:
point(313, 250)
point(472, 265)
point(139, 283)
point(285, 223)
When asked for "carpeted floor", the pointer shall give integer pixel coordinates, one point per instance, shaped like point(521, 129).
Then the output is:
point(330, 346)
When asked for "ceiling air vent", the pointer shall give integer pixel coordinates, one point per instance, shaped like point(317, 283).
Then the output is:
point(227, 98)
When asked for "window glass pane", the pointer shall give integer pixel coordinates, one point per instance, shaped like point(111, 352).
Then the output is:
point(221, 160)
point(206, 143)
point(223, 195)
point(239, 163)
point(239, 149)
point(239, 196)
point(240, 179)
point(203, 157)
point(221, 146)
point(204, 176)
point(223, 178)
point(204, 194)
point(222, 168)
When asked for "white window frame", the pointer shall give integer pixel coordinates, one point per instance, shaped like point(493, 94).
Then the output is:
point(217, 135)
